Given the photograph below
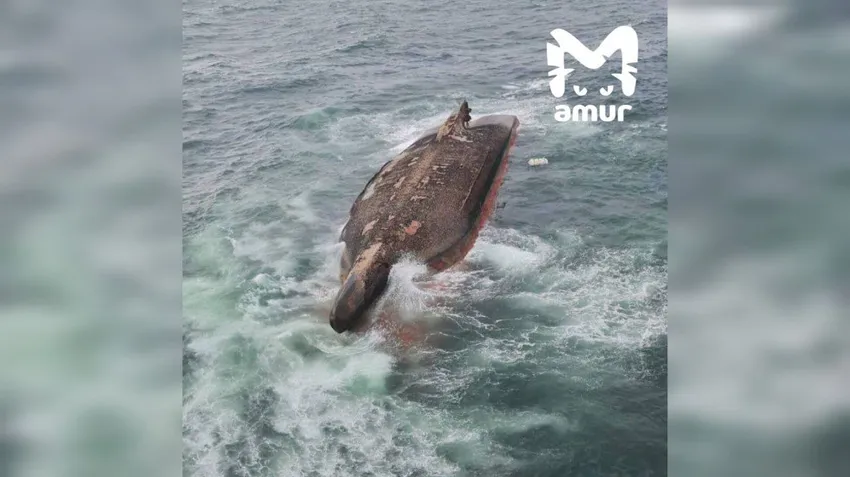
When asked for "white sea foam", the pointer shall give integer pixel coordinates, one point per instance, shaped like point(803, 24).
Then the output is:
point(332, 392)
point(515, 89)
point(342, 389)
point(401, 130)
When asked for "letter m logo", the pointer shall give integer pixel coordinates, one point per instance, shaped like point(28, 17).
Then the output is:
point(623, 38)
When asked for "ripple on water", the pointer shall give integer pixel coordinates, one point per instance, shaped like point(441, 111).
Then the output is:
point(547, 345)
point(335, 397)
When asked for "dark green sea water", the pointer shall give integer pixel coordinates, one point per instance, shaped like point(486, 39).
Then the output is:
point(546, 354)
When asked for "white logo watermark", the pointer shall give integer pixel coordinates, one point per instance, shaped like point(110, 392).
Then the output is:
point(625, 40)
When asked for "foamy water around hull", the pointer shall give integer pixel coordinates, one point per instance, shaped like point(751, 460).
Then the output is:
point(544, 353)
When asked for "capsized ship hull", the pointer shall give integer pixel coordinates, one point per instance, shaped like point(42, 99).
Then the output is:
point(429, 202)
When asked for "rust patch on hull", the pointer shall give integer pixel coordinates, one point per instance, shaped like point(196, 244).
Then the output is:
point(412, 228)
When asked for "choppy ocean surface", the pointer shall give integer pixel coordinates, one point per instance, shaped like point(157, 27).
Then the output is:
point(546, 354)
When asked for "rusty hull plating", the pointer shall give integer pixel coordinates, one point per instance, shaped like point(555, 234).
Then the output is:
point(430, 202)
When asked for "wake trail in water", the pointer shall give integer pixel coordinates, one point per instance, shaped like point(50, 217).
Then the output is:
point(271, 389)
point(325, 402)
